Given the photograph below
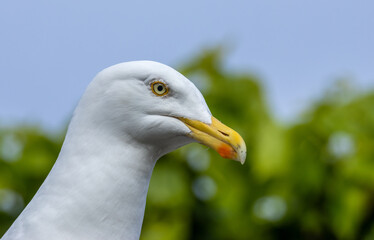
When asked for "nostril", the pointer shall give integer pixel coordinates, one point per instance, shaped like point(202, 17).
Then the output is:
point(223, 133)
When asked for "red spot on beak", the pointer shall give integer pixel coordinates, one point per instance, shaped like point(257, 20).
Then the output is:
point(225, 151)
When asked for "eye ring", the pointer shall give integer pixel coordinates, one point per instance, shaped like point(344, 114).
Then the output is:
point(159, 88)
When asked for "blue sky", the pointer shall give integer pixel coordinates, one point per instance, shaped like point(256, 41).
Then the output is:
point(51, 50)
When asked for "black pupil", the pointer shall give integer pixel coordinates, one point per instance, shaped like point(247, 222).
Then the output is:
point(160, 88)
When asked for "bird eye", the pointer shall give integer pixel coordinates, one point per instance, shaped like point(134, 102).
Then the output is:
point(159, 88)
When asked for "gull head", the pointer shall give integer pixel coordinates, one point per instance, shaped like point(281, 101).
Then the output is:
point(151, 104)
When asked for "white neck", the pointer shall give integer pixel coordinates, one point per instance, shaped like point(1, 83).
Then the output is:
point(96, 190)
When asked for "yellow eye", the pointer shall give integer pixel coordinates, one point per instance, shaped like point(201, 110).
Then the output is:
point(159, 88)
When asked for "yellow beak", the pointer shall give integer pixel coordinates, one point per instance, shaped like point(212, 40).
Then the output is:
point(228, 143)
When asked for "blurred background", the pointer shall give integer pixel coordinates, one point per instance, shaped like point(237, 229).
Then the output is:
point(295, 79)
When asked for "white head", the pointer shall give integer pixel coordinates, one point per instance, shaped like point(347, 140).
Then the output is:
point(156, 106)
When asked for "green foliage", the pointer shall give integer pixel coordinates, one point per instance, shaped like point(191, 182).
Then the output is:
point(312, 180)
point(26, 157)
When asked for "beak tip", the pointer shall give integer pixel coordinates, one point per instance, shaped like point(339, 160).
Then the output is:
point(242, 157)
point(241, 150)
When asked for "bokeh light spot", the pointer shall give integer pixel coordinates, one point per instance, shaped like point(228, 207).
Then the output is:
point(10, 148)
point(198, 159)
point(341, 145)
point(10, 202)
point(271, 208)
point(204, 188)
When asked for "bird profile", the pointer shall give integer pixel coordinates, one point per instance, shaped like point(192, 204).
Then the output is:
point(130, 115)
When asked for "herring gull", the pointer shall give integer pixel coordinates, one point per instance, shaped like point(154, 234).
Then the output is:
point(130, 115)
